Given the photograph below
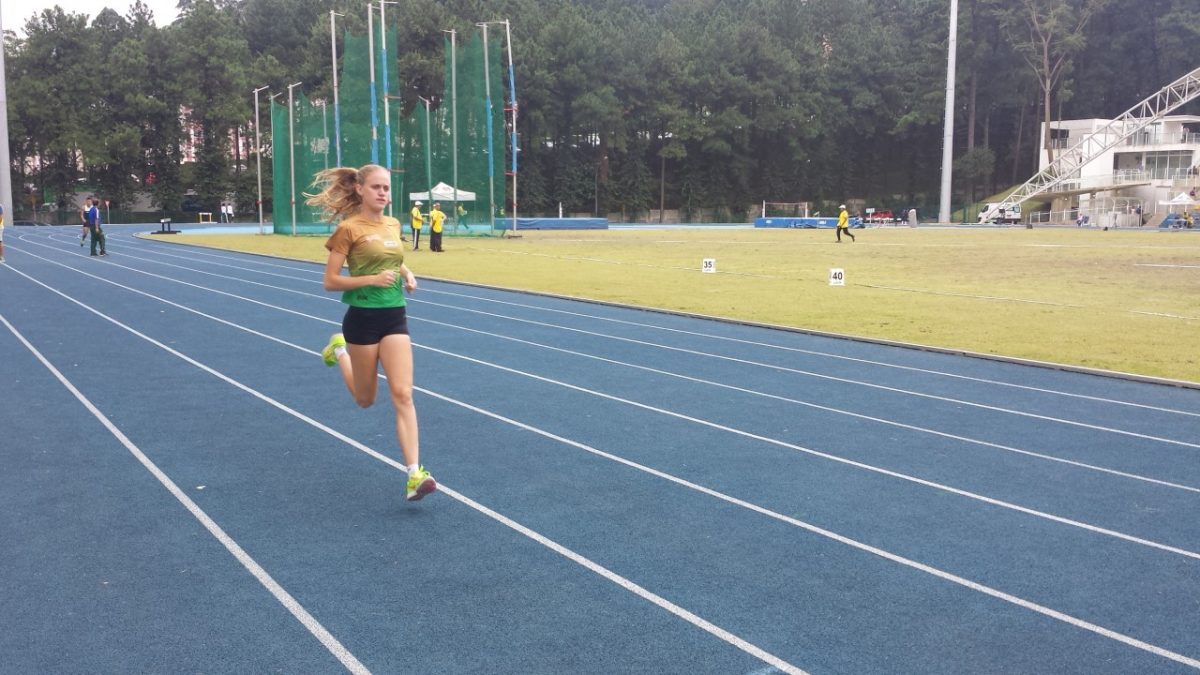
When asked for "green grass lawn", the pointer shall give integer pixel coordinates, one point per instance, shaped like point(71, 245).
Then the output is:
point(1118, 300)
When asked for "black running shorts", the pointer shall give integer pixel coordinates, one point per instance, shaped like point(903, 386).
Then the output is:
point(369, 325)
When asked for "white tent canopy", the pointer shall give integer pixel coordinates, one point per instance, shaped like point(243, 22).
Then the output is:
point(1181, 199)
point(443, 193)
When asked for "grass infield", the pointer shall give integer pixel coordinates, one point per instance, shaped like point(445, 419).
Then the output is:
point(1127, 301)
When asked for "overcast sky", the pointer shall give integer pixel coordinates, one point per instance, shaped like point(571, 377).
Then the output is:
point(15, 13)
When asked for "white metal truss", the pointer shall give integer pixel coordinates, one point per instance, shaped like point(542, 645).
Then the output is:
point(1069, 161)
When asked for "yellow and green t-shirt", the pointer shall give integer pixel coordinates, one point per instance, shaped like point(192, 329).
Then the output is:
point(417, 218)
point(436, 217)
point(370, 247)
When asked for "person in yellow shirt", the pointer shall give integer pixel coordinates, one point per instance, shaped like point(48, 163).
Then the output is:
point(436, 218)
point(417, 221)
point(843, 224)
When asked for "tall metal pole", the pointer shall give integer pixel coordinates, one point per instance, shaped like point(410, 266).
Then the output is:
point(387, 117)
point(487, 107)
point(337, 111)
point(258, 159)
point(6, 198)
point(374, 97)
point(428, 154)
point(512, 90)
point(948, 126)
point(454, 121)
point(292, 151)
point(325, 130)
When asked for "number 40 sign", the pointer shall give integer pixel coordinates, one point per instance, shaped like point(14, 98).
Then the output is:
point(837, 276)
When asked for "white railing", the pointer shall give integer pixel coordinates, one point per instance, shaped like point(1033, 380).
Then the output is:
point(1175, 138)
point(1053, 217)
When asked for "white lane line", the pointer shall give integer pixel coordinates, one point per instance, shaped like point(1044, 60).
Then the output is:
point(325, 297)
point(811, 352)
point(843, 380)
point(1030, 453)
point(192, 259)
point(1168, 316)
point(281, 595)
point(623, 582)
point(941, 574)
point(834, 458)
point(722, 357)
point(838, 411)
point(1000, 383)
point(766, 439)
point(853, 543)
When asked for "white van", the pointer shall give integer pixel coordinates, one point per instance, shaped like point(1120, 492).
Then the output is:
point(991, 213)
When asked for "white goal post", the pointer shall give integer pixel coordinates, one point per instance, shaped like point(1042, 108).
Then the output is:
point(784, 209)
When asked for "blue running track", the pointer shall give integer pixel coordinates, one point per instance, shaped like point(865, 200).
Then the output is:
point(186, 488)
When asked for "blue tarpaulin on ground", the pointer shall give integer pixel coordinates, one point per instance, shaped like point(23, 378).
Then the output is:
point(553, 223)
point(803, 222)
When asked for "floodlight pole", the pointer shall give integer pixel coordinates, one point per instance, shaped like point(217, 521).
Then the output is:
point(948, 125)
point(454, 119)
point(337, 111)
point(258, 158)
point(487, 96)
point(6, 198)
point(374, 98)
point(292, 151)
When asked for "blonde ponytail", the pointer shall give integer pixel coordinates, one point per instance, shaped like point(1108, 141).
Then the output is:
point(338, 196)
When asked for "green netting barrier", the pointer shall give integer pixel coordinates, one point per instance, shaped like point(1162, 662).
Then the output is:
point(311, 150)
point(468, 156)
point(425, 149)
point(313, 144)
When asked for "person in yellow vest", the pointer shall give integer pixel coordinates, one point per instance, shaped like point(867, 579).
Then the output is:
point(843, 224)
point(436, 218)
point(417, 221)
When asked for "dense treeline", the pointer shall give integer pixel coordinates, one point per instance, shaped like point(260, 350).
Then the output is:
point(624, 104)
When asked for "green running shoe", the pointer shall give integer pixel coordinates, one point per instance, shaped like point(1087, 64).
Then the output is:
point(420, 483)
point(337, 340)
